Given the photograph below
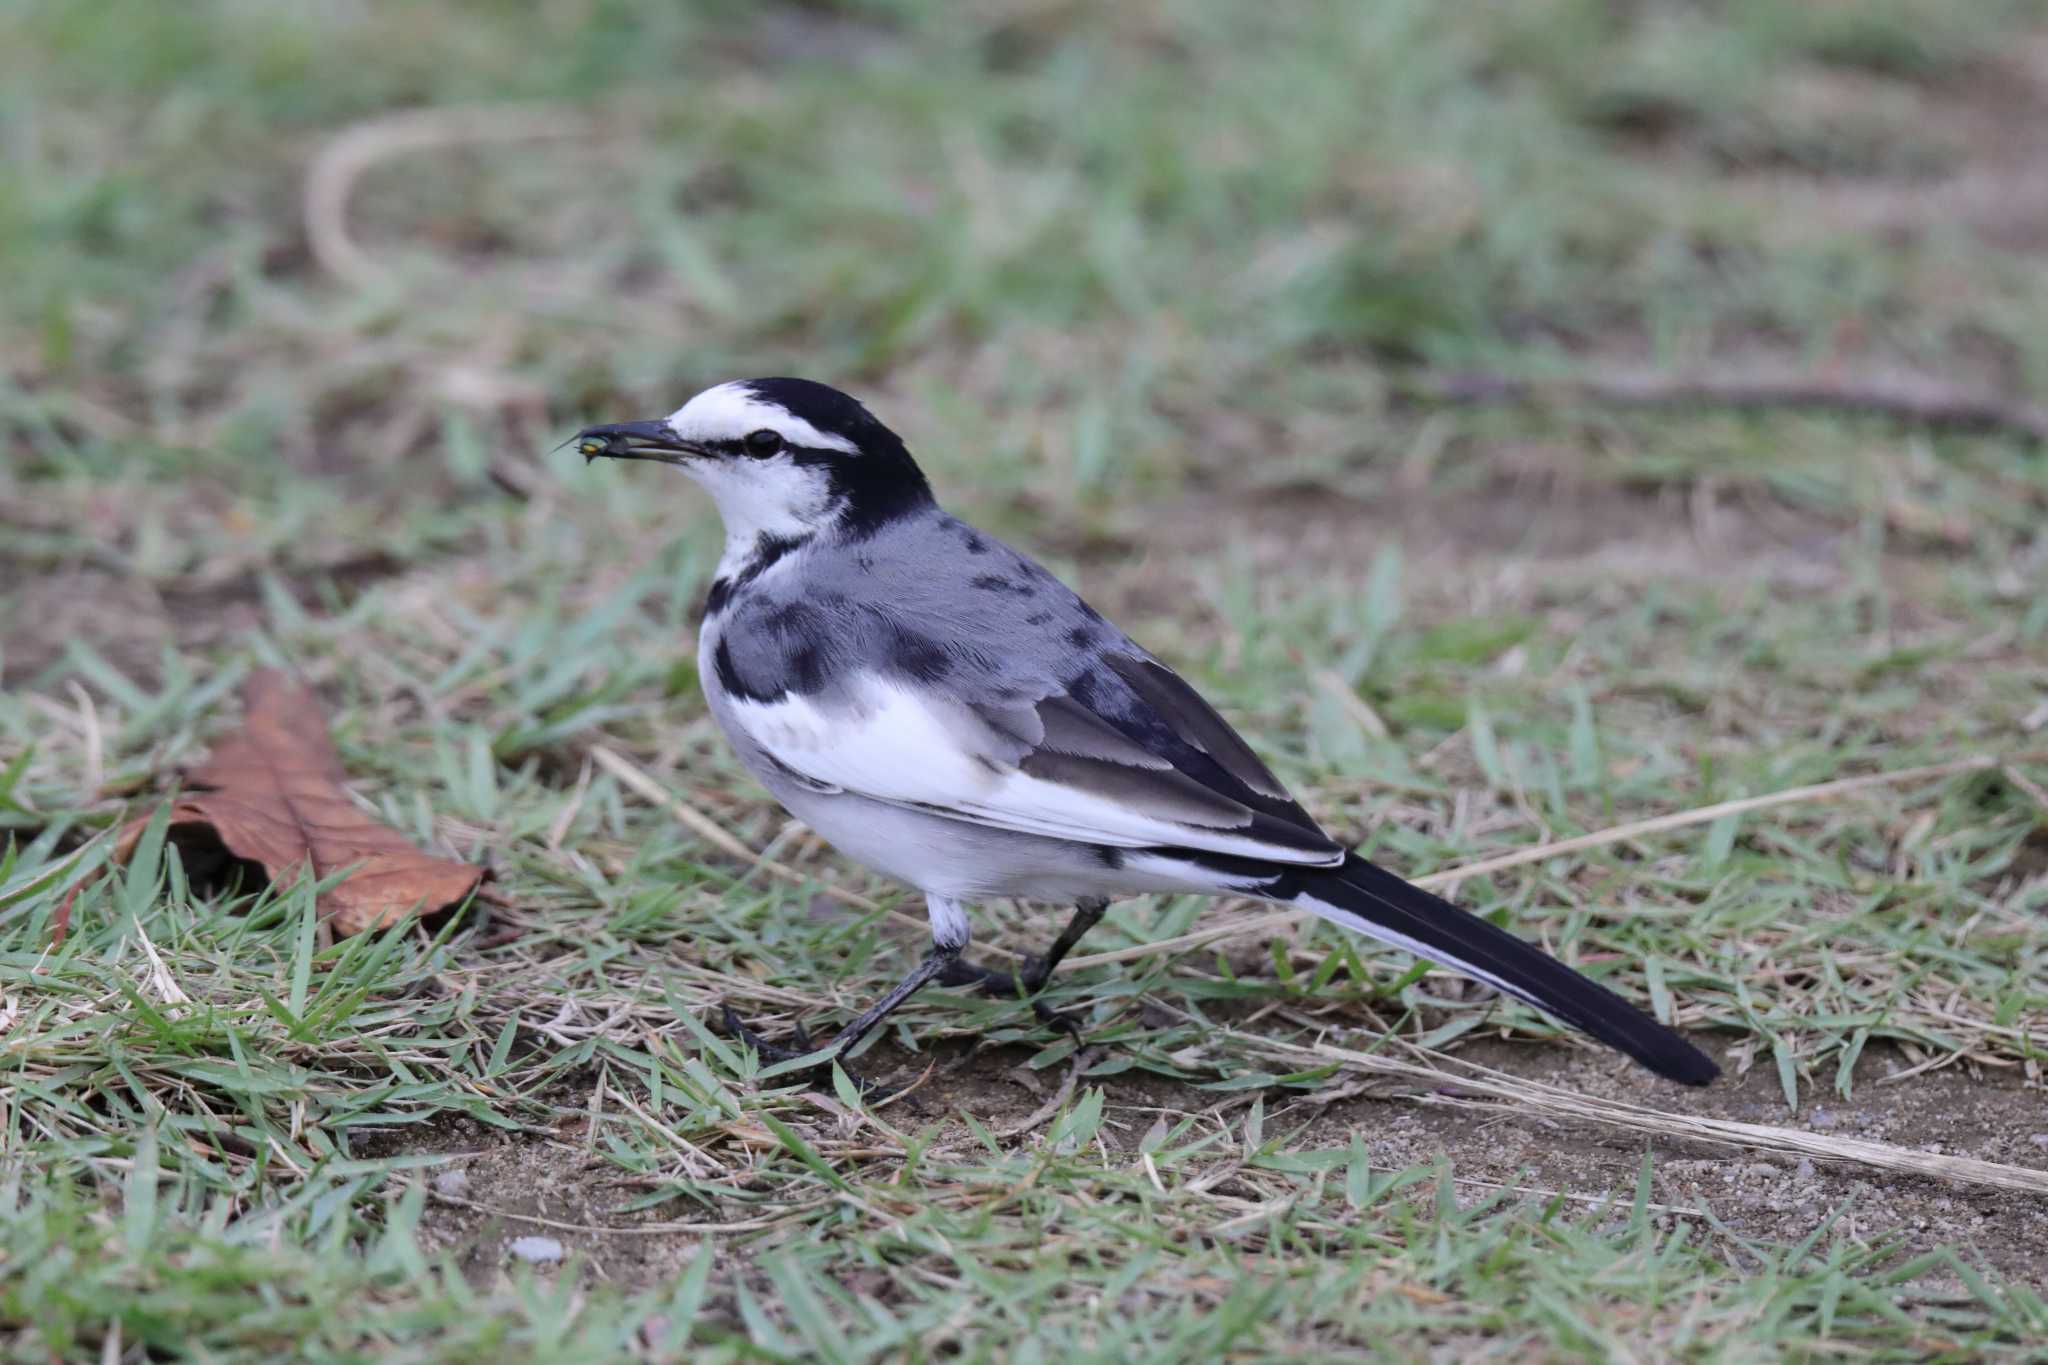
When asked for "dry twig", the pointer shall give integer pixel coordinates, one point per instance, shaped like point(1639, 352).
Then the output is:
point(1522, 1097)
point(334, 170)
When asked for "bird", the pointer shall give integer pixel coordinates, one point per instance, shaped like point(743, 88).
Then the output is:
point(944, 710)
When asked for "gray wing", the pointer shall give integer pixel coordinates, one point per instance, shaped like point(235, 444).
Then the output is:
point(1128, 728)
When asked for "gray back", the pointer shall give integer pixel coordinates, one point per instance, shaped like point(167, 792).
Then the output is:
point(926, 599)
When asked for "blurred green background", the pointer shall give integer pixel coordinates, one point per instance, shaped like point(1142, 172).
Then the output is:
point(1079, 252)
point(297, 300)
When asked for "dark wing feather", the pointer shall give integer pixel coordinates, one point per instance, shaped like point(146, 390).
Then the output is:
point(1130, 730)
point(1196, 722)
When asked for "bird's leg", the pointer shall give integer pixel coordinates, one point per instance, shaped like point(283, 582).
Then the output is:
point(1032, 978)
point(936, 959)
point(949, 940)
point(1087, 914)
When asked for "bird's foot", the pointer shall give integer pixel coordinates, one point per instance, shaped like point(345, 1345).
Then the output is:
point(1058, 1021)
point(765, 1050)
point(821, 1074)
point(1011, 985)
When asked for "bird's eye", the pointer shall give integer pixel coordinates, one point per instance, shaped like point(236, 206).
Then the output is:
point(763, 442)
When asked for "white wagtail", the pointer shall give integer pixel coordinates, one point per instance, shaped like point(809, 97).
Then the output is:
point(947, 712)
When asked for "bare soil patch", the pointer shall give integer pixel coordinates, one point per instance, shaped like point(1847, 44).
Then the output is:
point(1995, 185)
point(501, 1187)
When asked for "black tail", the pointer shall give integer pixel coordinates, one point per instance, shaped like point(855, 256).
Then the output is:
point(1377, 903)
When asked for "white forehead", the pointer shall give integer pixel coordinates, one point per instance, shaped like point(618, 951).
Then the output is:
point(729, 411)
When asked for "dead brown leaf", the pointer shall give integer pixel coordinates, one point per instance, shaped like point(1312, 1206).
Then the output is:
point(272, 794)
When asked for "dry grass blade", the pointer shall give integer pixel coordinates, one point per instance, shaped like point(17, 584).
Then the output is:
point(1082, 1060)
point(629, 1229)
point(2034, 790)
point(1635, 829)
point(1528, 1096)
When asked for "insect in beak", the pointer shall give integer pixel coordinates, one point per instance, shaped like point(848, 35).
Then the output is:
point(590, 447)
point(631, 441)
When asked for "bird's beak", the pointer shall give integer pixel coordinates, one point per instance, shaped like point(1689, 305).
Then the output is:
point(633, 441)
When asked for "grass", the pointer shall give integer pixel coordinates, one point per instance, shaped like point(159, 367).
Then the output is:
point(1143, 286)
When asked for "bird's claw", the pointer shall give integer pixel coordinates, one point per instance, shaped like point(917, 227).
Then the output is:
point(821, 1074)
point(1002, 985)
point(765, 1050)
point(1058, 1021)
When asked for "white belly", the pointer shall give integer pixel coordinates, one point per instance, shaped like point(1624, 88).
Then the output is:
point(954, 859)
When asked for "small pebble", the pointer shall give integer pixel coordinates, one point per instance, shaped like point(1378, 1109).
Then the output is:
point(1804, 1170)
point(537, 1250)
point(452, 1183)
point(2039, 1139)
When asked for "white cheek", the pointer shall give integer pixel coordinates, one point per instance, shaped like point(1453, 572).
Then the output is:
point(763, 497)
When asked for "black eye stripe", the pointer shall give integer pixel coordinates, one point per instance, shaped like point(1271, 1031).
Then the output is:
point(744, 446)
